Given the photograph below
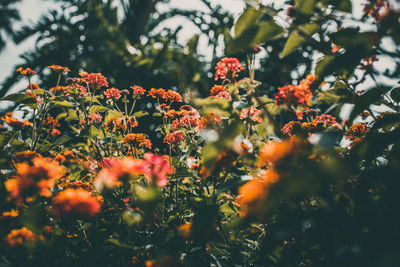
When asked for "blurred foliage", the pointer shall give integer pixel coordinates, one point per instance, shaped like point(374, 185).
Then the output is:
point(268, 169)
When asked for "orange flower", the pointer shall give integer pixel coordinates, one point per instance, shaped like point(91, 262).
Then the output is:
point(137, 140)
point(117, 171)
point(12, 213)
point(251, 197)
point(154, 93)
point(172, 96)
point(185, 230)
point(75, 203)
point(27, 71)
point(14, 122)
point(273, 152)
point(210, 120)
point(59, 69)
point(36, 179)
point(18, 236)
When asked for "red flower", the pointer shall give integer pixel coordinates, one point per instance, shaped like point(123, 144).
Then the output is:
point(172, 96)
point(97, 80)
point(115, 172)
point(113, 93)
point(174, 138)
point(156, 169)
point(95, 118)
point(75, 203)
point(228, 67)
point(138, 90)
point(254, 114)
point(55, 132)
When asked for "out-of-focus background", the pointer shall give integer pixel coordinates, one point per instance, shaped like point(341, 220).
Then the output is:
point(152, 43)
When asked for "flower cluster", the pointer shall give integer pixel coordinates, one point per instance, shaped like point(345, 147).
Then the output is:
point(137, 140)
point(227, 68)
point(13, 122)
point(219, 91)
point(59, 69)
point(174, 138)
point(75, 203)
point(296, 95)
point(156, 169)
point(26, 72)
point(36, 179)
point(138, 90)
point(357, 131)
point(95, 118)
point(113, 93)
point(254, 114)
point(18, 237)
point(319, 124)
point(96, 80)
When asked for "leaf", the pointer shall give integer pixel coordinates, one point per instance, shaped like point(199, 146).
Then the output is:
point(395, 94)
point(72, 116)
point(97, 108)
point(298, 37)
point(352, 38)
point(253, 35)
point(365, 100)
point(140, 114)
point(64, 103)
point(305, 7)
point(112, 114)
point(342, 5)
point(246, 20)
point(192, 44)
point(95, 132)
point(19, 98)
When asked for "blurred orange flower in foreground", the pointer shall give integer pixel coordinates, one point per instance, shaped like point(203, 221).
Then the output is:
point(75, 203)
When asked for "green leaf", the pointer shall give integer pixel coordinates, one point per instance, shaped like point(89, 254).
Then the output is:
point(97, 108)
point(19, 98)
point(96, 132)
point(64, 103)
point(192, 44)
point(72, 116)
point(342, 5)
point(256, 34)
point(305, 6)
point(112, 114)
point(298, 37)
point(395, 94)
point(365, 100)
point(246, 20)
point(140, 114)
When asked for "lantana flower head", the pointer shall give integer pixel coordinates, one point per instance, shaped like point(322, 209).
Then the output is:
point(228, 68)
point(157, 169)
point(75, 203)
point(59, 69)
point(96, 80)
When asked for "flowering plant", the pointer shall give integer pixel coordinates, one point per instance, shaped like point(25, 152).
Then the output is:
point(241, 177)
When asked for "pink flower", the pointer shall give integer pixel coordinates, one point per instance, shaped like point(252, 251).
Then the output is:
point(254, 114)
point(97, 80)
point(156, 169)
point(227, 66)
point(113, 93)
point(174, 138)
point(138, 90)
point(95, 118)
